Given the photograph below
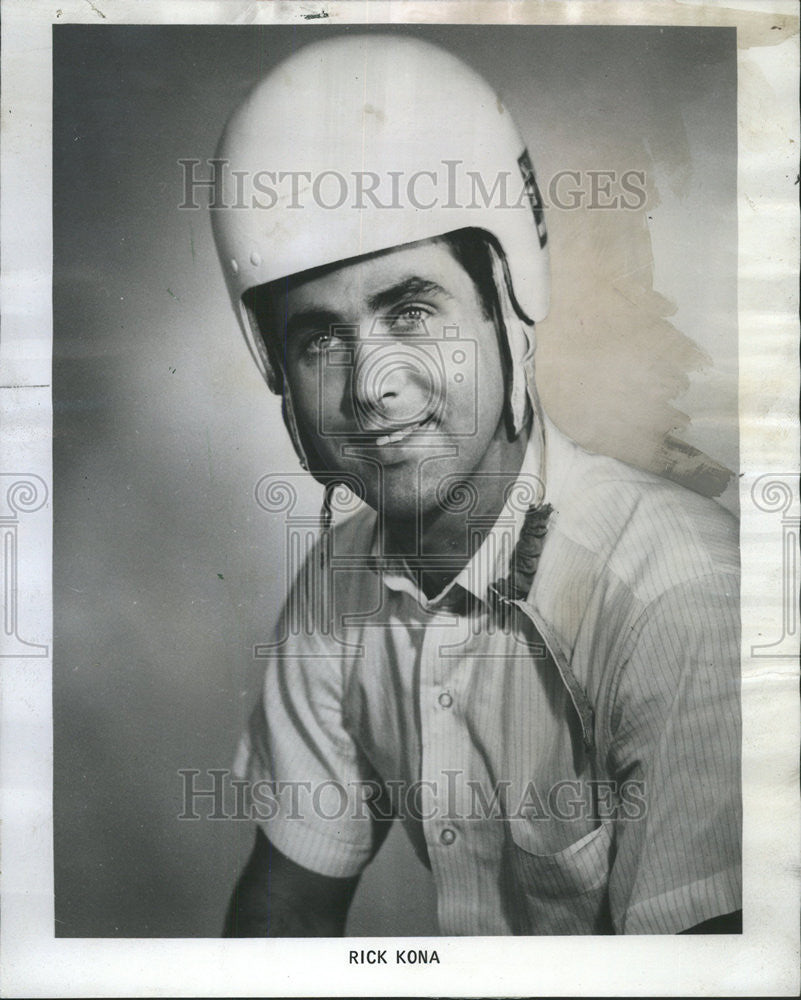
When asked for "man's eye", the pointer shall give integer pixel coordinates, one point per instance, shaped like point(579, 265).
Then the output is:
point(409, 317)
point(321, 342)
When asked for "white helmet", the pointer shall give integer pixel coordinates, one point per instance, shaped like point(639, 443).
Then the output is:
point(362, 143)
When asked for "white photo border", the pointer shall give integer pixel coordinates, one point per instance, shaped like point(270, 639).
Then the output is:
point(764, 960)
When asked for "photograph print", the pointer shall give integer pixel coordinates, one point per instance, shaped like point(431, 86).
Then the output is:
point(396, 553)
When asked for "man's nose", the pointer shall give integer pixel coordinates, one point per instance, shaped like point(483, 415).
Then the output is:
point(378, 376)
point(390, 378)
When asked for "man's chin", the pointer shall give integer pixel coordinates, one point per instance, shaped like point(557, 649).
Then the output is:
point(396, 508)
point(382, 484)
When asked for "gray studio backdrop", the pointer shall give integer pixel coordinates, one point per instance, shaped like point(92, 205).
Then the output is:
point(167, 572)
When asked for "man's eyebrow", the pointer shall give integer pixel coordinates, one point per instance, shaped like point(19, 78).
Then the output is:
point(312, 319)
point(404, 289)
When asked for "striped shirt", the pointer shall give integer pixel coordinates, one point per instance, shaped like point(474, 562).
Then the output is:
point(566, 765)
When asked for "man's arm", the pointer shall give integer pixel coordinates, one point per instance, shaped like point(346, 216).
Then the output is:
point(677, 735)
point(730, 923)
point(274, 897)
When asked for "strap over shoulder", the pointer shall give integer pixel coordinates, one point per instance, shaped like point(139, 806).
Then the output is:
point(514, 591)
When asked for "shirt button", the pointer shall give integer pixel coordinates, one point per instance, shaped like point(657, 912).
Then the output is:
point(447, 836)
point(445, 700)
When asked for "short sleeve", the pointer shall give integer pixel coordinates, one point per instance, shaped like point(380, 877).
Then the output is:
point(308, 785)
point(674, 750)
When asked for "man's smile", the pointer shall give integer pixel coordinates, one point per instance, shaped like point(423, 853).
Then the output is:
point(396, 433)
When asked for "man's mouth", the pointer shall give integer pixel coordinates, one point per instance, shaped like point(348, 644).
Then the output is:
point(401, 433)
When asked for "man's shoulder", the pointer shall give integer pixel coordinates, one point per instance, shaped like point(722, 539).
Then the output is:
point(649, 532)
point(611, 492)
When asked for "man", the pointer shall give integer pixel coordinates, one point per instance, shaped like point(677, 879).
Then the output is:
point(527, 653)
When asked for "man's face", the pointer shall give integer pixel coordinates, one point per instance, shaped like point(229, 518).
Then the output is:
point(396, 377)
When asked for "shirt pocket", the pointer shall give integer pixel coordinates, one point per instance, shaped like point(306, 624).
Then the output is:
point(565, 892)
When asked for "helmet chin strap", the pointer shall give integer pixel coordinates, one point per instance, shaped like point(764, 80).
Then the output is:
point(330, 482)
point(326, 518)
point(291, 423)
point(538, 429)
point(523, 388)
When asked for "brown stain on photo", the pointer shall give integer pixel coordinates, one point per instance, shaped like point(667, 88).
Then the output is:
point(610, 363)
